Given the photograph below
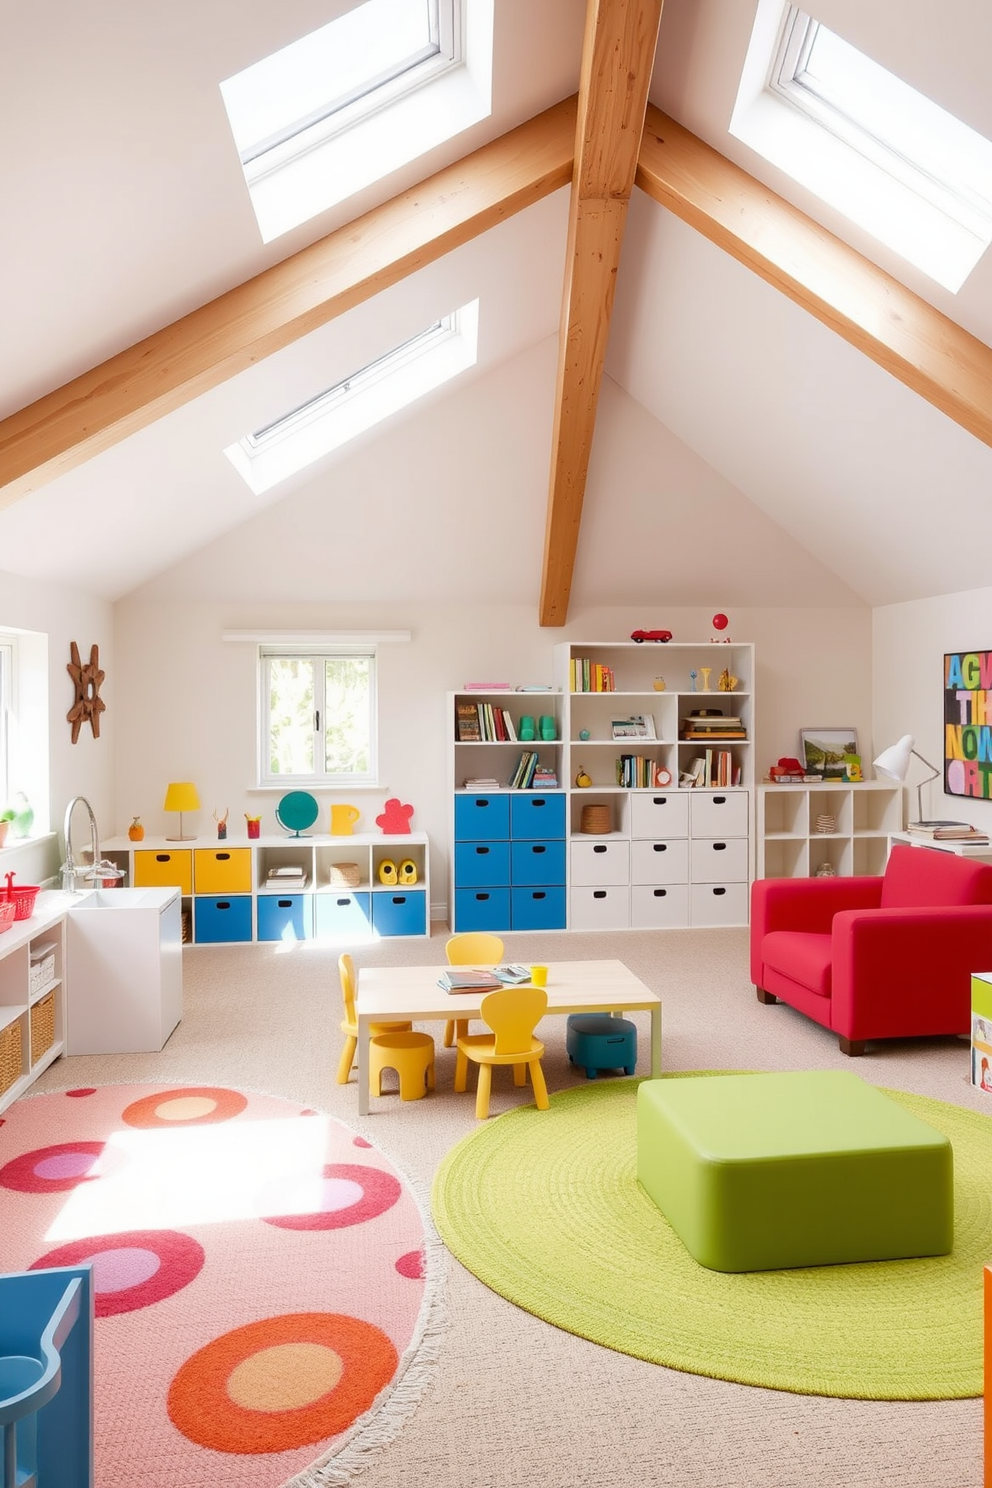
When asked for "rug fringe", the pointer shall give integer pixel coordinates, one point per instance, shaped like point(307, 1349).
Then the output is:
point(385, 1418)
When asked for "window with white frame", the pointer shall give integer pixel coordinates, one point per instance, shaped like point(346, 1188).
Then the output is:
point(317, 715)
point(889, 158)
point(365, 94)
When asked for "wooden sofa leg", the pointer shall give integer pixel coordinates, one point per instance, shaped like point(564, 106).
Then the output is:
point(853, 1047)
point(764, 996)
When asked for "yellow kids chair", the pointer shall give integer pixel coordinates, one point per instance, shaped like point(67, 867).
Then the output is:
point(474, 949)
point(512, 1014)
point(349, 1023)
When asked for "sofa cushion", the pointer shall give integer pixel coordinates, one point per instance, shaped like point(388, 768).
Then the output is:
point(920, 877)
point(804, 957)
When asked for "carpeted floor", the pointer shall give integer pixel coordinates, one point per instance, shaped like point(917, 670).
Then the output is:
point(545, 1208)
point(515, 1401)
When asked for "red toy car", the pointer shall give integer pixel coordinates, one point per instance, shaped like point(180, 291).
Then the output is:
point(650, 635)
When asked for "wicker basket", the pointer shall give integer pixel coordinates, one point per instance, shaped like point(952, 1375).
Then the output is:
point(596, 820)
point(42, 1026)
point(7, 911)
point(347, 874)
point(10, 1055)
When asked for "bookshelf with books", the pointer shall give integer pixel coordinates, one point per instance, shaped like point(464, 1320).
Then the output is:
point(507, 868)
point(662, 734)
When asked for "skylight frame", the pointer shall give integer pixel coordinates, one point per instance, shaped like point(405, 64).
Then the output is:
point(357, 403)
point(865, 187)
point(934, 176)
point(297, 165)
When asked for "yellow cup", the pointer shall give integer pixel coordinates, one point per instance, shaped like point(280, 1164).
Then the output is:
point(343, 818)
point(539, 976)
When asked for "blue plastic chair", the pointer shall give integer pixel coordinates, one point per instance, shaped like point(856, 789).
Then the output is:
point(46, 1378)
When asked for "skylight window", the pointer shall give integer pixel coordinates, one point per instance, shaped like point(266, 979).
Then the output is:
point(358, 402)
point(360, 97)
point(889, 158)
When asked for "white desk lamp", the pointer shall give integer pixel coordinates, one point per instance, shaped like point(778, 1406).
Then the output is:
point(894, 763)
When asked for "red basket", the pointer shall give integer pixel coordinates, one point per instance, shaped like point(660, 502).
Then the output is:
point(7, 911)
point(22, 897)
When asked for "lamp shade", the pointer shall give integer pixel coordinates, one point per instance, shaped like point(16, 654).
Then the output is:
point(893, 762)
point(181, 796)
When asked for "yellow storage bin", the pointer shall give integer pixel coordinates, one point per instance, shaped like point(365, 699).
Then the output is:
point(222, 870)
point(164, 869)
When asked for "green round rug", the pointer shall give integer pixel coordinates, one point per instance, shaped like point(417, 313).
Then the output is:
point(545, 1208)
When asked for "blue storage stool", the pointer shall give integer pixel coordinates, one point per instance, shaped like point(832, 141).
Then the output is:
point(599, 1042)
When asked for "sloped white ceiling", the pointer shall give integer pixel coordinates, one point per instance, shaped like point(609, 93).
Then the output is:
point(760, 455)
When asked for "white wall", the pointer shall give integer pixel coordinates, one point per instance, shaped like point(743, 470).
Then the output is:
point(188, 698)
point(909, 642)
point(85, 768)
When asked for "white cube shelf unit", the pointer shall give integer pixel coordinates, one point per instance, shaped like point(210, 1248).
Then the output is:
point(843, 828)
point(673, 854)
point(32, 999)
point(229, 895)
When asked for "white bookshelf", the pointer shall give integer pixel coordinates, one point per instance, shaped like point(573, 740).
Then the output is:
point(791, 843)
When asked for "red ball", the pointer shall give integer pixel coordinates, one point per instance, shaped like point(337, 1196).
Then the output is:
point(720, 622)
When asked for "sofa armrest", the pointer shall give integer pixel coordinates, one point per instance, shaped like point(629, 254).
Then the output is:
point(890, 966)
point(808, 904)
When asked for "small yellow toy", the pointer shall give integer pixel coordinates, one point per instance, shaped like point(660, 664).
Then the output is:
point(407, 872)
point(387, 872)
point(582, 779)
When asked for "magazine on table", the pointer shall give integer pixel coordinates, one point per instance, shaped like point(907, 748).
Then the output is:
point(468, 979)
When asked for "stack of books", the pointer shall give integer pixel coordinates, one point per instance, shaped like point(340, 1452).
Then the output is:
point(290, 877)
point(590, 676)
point(483, 723)
point(545, 777)
point(482, 783)
point(468, 979)
point(948, 831)
point(710, 725)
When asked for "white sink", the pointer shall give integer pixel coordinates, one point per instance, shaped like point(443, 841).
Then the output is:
point(155, 899)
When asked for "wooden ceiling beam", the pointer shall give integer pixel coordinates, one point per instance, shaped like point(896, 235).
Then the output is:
point(847, 292)
point(213, 343)
point(621, 38)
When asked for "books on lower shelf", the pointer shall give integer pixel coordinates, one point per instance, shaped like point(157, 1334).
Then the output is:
point(947, 831)
point(482, 783)
point(288, 877)
point(524, 771)
point(639, 772)
point(715, 769)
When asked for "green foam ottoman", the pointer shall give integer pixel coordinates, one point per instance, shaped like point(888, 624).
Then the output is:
point(762, 1172)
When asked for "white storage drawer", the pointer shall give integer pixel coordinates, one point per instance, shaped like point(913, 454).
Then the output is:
point(660, 814)
point(718, 813)
point(718, 859)
point(603, 862)
point(599, 909)
point(657, 908)
point(718, 904)
point(659, 862)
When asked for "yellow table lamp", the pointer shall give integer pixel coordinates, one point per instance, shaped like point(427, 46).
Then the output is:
point(181, 796)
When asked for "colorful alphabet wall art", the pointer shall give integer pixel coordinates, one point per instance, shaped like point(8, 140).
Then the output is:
point(968, 723)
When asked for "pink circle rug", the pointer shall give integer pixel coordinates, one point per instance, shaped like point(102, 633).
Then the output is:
point(263, 1279)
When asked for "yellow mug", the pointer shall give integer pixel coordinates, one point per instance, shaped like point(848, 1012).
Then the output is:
point(343, 819)
point(539, 976)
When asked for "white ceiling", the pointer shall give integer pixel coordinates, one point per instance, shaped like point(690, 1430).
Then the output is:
point(739, 441)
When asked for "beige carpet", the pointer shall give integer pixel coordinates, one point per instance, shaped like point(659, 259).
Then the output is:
point(515, 1402)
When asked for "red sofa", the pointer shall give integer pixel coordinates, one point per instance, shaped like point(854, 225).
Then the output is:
point(876, 958)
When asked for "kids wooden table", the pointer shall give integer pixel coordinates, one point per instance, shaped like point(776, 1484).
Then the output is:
point(395, 993)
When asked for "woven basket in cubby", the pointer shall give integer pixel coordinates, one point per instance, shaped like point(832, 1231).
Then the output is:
point(596, 820)
point(42, 1026)
point(349, 875)
point(10, 1055)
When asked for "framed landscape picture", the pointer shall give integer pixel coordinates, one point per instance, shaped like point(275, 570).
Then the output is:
point(830, 752)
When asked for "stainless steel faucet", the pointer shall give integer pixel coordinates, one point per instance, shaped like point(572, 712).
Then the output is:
point(72, 873)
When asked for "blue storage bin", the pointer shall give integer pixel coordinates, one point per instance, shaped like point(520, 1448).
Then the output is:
point(482, 818)
point(537, 862)
point(340, 915)
point(478, 864)
point(535, 814)
point(285, 916)
point(537, 909)
point(482, 909)
point(224, 919)
point(399, 913)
